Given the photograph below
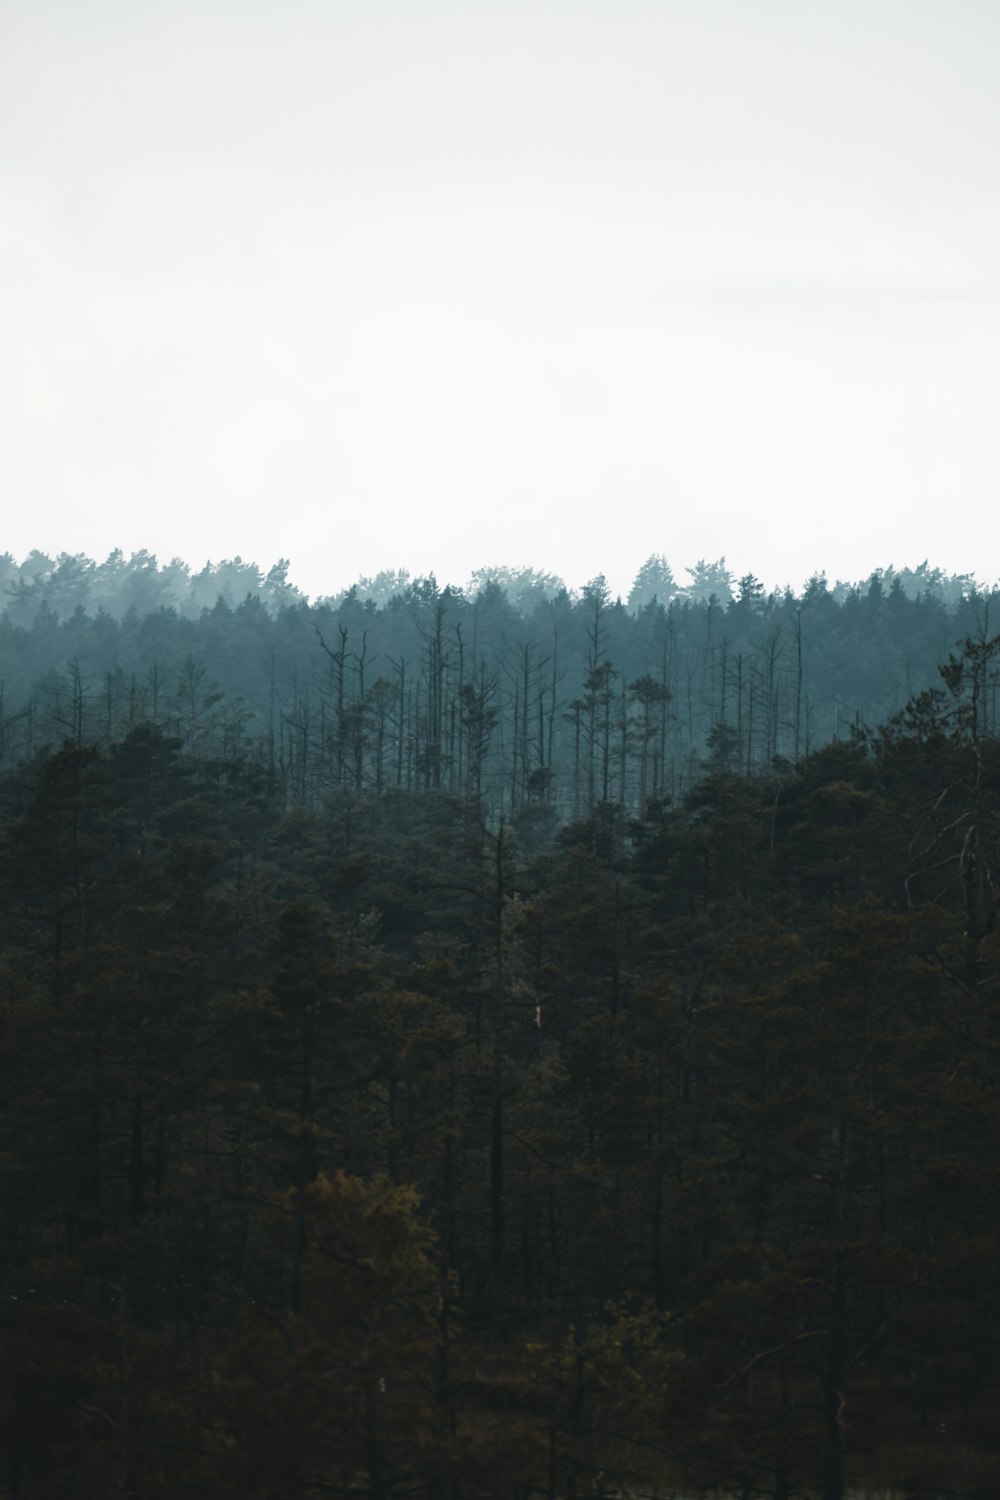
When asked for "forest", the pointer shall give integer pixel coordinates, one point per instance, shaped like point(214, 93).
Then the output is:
point(539, 701)
point(498, 1043)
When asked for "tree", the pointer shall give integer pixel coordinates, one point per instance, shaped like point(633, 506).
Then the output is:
point(653, 584)
point(708, 579)
point(337, 1393)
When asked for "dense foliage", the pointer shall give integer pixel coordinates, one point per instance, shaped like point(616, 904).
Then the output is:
point(365, 1136)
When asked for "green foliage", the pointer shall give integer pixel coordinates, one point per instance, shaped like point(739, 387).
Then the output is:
point(362, 1143)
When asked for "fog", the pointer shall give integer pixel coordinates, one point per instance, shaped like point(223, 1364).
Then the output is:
point(436, 286)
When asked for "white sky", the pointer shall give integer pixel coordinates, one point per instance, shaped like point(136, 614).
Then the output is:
point(436, 285)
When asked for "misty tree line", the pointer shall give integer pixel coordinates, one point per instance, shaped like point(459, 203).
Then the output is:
point(73, 581)
point(540, 703)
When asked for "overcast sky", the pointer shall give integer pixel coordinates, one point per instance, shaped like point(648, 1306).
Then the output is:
point(437, 285)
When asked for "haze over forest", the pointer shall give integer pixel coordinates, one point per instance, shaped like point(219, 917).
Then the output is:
point(512, 687)
point(474, 1044)
point(470, 1033)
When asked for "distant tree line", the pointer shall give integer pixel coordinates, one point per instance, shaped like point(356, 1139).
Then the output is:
point(72, 581)
point(542, 703)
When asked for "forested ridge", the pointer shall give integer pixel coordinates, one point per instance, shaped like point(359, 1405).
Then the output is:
point(516, 1079)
